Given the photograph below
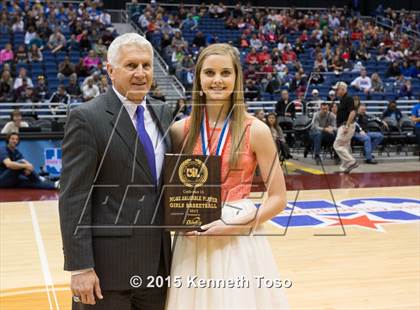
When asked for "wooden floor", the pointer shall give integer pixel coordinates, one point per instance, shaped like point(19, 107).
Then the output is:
point(361, 269)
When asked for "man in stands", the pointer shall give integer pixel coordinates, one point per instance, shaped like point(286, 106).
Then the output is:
point(370, 139)
point(15, 171)
point(363, 82)
point(322, 130)
point(285, 107)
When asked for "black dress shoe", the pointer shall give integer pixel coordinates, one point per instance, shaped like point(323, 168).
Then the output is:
point(317, 160)
point(371, 161)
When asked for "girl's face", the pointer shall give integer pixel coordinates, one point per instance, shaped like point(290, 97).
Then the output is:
point(218, 78)
point(271, 119)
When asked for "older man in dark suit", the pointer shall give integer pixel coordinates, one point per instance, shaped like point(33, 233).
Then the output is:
point(111, 220)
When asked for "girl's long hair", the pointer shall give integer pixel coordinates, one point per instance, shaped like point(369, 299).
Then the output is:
point(237, 108)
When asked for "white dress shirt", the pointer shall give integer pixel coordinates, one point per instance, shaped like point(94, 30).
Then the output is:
point(151, 128)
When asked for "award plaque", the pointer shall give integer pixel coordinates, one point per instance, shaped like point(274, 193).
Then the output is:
point(192, 190)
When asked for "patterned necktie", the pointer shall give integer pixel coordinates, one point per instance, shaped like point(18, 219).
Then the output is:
point(146, 141)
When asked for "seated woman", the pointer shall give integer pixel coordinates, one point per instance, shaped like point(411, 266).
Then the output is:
point(278, 136)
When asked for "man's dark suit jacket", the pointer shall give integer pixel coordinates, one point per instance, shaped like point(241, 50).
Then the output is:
point(108, 202)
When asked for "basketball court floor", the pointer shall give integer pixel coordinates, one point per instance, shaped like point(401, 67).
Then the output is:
point(344, 242)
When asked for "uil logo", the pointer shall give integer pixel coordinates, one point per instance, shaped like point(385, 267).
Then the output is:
point(193, 172)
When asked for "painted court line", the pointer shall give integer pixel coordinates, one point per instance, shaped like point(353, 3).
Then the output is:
point(49, 285)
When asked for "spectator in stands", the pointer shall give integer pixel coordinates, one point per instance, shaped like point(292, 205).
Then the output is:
point(15, 171)
point(91, 60)
point(320, 63)
point(370, 139)
point(264, 55)
point(336, 65)
point(186, 70)
point(285, 107)
point(331, 96)
point(199, 40)
point(363, 82)
point(298, 84)
point(37, 41)
point(35, 54)
point(278, 136)
point(260, 114)
point(61, 99)
point(25, 93)
point(100, 49)
point(323, 130)
point(334, 108)
point(80, 69)
point(90, 90)
point(29, 35)
point(317, 77)
point(362, 52)
point(103, 84)
point(6, 89)
point(394, 54)
point(72, 43)
point(84, 40)
point(15, 123)
point(22, 76)
point(315, 100)
point(393, 70)
point(73, 89)
point(182, 109)
point(345, 117)
point(18, 24)
point(158, 94)
point(21, 56)
point(255, 42)
point(407, 70)
point(415, 117)
point(252, 92)
point(178, 40)
point(66, 69)
point(377, 84)
point(252, 57)
point(406, 91)
point(272, 84)
point(41, 91)
point(289, 56)
point(57, 41)
point(392, 112)
point(189, 23)
point(6, 54)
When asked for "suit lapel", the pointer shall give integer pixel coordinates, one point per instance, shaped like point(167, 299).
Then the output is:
point(122, 125)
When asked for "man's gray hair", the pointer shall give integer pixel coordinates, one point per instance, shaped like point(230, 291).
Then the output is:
point(130, 38)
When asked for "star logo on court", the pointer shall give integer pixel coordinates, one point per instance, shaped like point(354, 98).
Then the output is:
point(359, 220)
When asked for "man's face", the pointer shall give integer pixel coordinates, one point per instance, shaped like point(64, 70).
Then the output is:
point(324, 108)
point(132, 75)
point(341, 91)
point(285, 95)
point(13, 141)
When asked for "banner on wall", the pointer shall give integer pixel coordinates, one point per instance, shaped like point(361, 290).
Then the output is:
point(52, 158)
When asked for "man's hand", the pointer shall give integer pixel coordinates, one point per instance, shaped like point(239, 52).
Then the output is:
point(329, 129)
point(86, 286)
point(363, 133)
point(29, 167)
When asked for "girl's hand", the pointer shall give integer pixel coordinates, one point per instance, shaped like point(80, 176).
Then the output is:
point(219, 228)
